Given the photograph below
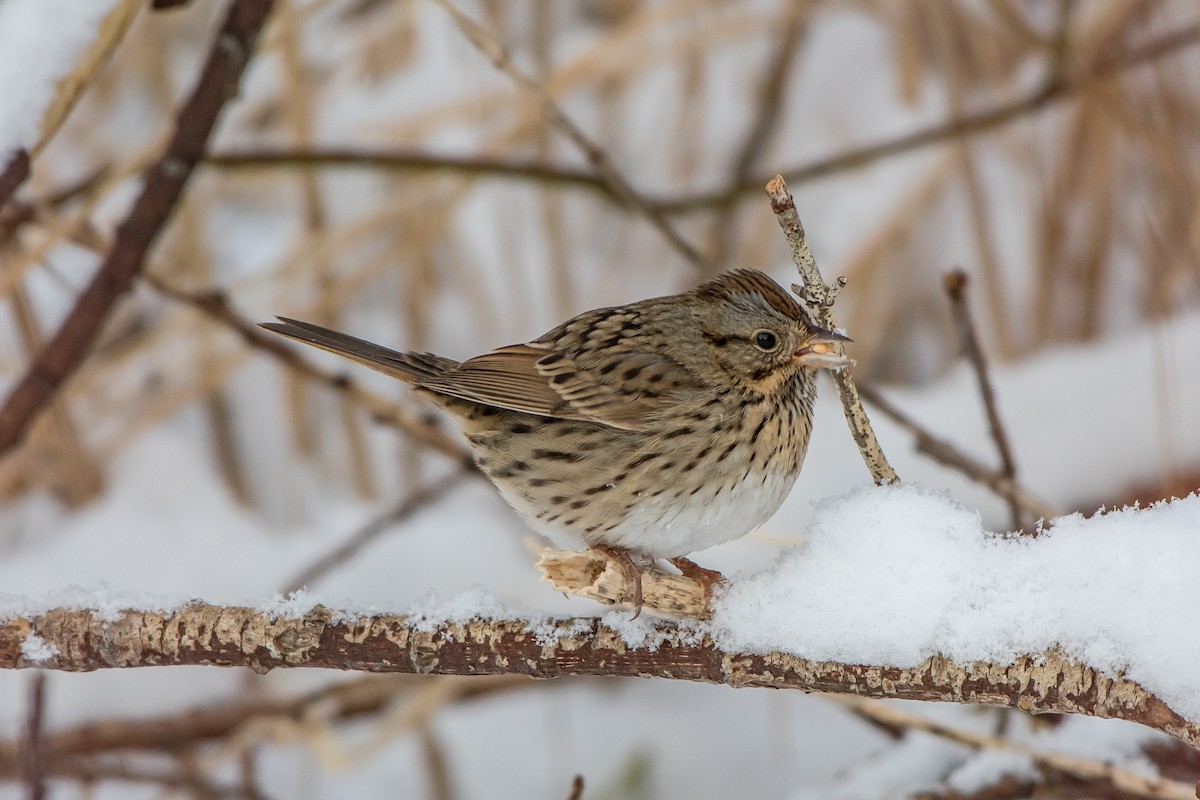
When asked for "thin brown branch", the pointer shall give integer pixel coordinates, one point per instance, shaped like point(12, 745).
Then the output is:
point(1084, 769)
point(597, 157)
point(946, 454)
point(216, 306)
point(820, 297)
point(163, 185)
point(91, 771)
point(34, 761)
point(200, 634)
point(173, 732)
point(421, 498)
point(410, 161)
point(1057, 89)
point(955, 285)
point(15, 172)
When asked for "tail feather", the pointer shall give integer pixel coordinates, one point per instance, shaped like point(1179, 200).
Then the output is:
point(410, 367)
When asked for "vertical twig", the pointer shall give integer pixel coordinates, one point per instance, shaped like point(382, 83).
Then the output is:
point(34, 763)
point(576, 792)
point(955, 284)
point(820, 296)
point(163, 185)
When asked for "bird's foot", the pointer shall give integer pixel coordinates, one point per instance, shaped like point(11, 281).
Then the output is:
point(708, 578)
point(633, 576)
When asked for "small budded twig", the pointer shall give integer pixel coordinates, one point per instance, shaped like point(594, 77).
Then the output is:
point(955, 284)
point(1085, 769)
point(597, 157)
point(820, 296)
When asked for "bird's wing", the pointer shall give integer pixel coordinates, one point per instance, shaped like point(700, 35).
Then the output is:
point(623, 389)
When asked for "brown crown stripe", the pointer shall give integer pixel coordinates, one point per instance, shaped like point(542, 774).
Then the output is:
point(751, 280)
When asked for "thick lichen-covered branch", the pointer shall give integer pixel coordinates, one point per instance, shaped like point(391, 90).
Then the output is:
point(81, 640)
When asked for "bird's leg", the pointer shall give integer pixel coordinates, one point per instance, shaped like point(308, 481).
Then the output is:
point(708, 578)
point(633, 575)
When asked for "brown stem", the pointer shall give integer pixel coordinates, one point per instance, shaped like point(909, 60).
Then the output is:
point(163, 185)
point(955, 284)
point(34, 761)
point(15, 172)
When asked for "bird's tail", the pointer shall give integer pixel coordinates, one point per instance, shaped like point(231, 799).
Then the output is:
point(410, 367)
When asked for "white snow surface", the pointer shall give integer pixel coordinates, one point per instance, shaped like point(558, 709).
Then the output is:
point(895, 575)
point(40, 41)
point(36, 649)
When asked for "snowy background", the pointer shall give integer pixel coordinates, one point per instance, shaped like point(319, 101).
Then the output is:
point(182, 464)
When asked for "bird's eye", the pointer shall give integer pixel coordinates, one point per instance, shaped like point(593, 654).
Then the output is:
point(765, 340)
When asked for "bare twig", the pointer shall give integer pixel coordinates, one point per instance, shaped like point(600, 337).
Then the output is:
point(34, 761)
point(956, 289)
point(416, 501)
point(343, 700)
point(946, 454)
point(201, 634)
point(410, 161)
point(1085, 769)
point(15, 172)
point(163, 185)
point(820, 297)
point(487, 44)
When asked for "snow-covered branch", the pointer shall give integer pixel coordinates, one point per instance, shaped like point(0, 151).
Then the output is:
point(202, 634)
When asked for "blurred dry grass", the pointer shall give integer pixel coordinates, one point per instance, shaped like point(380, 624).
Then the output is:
point(380, 175)
point(1076, 194)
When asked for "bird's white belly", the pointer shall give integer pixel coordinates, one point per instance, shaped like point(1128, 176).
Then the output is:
point(667, 527)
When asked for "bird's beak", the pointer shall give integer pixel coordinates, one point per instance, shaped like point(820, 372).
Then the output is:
point(822, 350)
